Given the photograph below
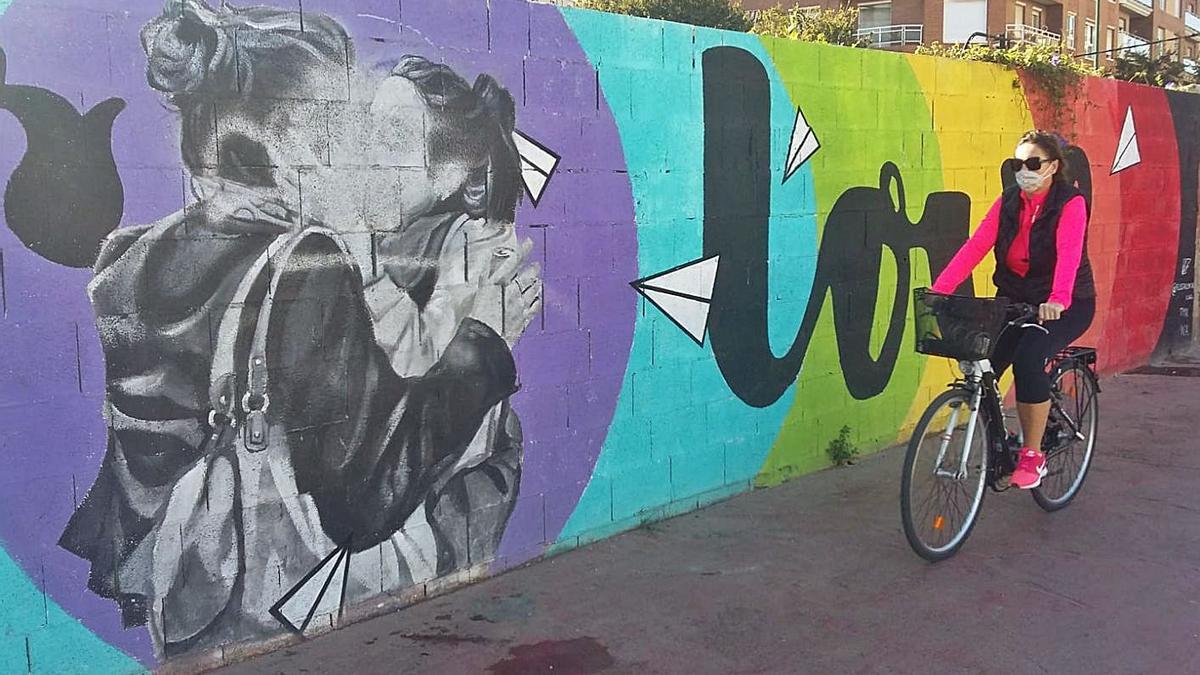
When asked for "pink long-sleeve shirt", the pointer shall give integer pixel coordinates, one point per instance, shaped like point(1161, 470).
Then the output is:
point(1072, 225)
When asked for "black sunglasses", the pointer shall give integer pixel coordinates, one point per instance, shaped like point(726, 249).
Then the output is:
point(1033, 163)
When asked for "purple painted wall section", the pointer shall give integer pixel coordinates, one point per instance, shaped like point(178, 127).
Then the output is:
point(55, 434)
point(571, 360)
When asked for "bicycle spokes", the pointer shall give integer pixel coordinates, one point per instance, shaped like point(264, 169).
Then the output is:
point(945, 474)
point(1070, 438)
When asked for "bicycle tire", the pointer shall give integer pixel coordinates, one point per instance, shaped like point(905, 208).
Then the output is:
point(909, 517)
point(1042, 494)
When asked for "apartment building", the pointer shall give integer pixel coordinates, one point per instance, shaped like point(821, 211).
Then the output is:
point(1094, 29)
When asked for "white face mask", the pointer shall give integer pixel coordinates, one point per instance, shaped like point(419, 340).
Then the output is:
point(1031, 181)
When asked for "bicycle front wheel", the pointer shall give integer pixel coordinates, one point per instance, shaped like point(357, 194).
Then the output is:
point(945, 476)
point(1072, 430)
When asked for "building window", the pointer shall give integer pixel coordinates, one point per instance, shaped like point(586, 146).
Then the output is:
point(1071, 19)
point(1160, 38)
point(1089, 40)
point(1110, 42)
point(1123, 24)
point(1019, 14)
point(1174, 7)
point(1035, 17)
point(875, 15)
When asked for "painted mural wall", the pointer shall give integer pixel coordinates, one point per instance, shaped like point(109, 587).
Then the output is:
point(318, 304)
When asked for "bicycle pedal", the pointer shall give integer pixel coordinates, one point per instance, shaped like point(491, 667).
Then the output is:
point(1003, 483)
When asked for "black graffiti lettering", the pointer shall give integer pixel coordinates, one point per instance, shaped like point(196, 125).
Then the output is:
point(737, 198)
point(1080, 173)
point(1177, 328)
point(66, 195)
point(863, 221)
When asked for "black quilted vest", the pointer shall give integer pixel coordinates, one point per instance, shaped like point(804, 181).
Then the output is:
point(1035, 286)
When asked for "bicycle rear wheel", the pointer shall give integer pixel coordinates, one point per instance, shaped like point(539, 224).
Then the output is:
point(944, 477)
point(1072, 435)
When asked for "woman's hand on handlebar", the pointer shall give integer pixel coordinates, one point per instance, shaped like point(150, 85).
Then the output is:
point(1050, 311)
point(1021, 313)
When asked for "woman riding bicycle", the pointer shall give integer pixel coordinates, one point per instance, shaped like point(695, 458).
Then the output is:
point(1037, 231)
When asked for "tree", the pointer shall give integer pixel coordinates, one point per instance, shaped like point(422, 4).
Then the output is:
point(710, 13)
point(1164, 70)
point(831, 26)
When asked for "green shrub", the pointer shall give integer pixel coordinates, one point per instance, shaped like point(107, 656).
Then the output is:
point(831, 26)
point(1164, 70)
point(841, 451)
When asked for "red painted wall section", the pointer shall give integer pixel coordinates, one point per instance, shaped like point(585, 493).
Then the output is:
point(1149, 228)
point(1135, 213)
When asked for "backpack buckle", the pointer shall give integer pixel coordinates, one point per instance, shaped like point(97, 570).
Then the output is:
point(256, 434)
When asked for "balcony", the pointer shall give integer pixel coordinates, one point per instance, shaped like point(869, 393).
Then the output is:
point(1191, 21)
point(1031, 35)
point(900, 35)
point(1139, 7)
point(1134, 44)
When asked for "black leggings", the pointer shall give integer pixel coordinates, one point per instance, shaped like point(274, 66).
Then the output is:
point(1028, 350)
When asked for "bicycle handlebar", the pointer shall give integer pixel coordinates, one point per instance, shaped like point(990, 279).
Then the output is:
point(1023, 312)
point(1026, 316)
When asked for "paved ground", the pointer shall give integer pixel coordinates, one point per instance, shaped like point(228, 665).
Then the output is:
point(815, 577)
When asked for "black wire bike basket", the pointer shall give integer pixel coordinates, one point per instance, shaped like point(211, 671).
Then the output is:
point(958, 326)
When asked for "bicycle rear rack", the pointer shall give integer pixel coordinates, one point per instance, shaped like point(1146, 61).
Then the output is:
point(1086, 355)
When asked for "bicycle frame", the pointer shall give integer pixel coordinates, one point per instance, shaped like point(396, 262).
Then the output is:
point(981, 384)
point(979, 381)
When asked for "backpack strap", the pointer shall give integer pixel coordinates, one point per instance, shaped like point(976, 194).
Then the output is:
point(223, 375)
point(255, 400)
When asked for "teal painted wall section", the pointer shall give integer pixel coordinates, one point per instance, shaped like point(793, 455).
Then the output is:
point(659, 453)
point(35, 633)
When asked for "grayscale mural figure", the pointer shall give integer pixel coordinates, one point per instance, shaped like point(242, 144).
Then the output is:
point(309, 367)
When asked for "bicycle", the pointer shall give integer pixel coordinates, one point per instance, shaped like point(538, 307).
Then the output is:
point(971, 448)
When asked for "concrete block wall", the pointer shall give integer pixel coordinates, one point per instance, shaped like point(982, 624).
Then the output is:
point(686, 301)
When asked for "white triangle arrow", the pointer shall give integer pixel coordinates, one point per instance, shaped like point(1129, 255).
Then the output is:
point(684, 294)
point(804, 145)
point(695, 279)
point(319, 593)
point(537, 165)
point(1128, 153)
point(690, 315)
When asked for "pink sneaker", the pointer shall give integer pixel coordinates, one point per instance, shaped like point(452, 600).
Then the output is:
point(1030, 469)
